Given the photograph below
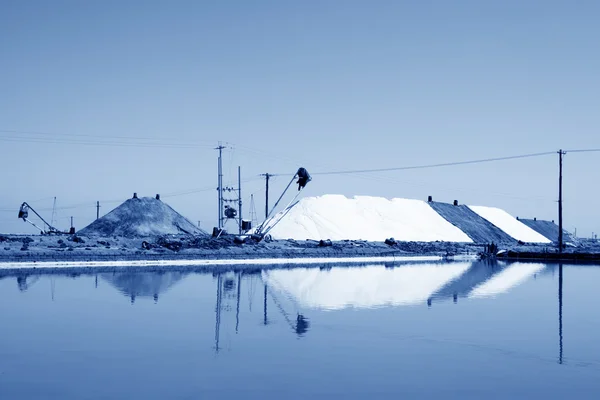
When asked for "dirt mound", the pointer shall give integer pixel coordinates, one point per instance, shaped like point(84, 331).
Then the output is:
point(141, 217)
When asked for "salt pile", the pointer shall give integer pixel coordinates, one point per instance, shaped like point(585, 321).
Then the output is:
point(370, 286)
point(337, 217)
point(509, 224)
point(476, 227)
point(548, 229)
point(141, 217)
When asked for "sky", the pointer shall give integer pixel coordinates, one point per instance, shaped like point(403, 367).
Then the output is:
point(102, 99)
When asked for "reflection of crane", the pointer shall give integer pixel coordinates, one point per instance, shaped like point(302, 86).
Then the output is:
point(23, 284)
point(300, 325)
point(24, 214)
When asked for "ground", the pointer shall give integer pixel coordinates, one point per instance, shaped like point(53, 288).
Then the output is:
point(92, 248)
point(75, 247)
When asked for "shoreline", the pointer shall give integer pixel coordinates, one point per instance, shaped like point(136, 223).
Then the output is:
point(205, 264)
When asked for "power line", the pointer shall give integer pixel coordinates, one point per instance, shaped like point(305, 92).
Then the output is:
point(101, 143)
point(93, 204)
point(484, 160)
point(128, 138)
point(582, 151)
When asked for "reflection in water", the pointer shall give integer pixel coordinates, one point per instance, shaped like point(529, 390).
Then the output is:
point(142, 284)
point(509, 277)
point(288, 337)
point(375, 286)
point(334, 288)
point(478, 273)
point(363, 287)
point(24, 282)
point(230, 282)
point(560, 304)
point(300, 325)
point(218, 312)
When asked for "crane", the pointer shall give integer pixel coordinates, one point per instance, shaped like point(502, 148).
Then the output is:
point(269, 223)
point(24, 214)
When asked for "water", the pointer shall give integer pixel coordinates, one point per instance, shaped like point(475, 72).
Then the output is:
point(460, 330)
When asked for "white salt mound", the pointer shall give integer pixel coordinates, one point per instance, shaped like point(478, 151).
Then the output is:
point(509, 224)
point(337, 217)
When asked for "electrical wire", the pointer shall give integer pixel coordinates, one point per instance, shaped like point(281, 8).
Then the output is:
point(127, 138)
point(484, 160)
point(103, 143)
point(103, 202)
point(582, 151)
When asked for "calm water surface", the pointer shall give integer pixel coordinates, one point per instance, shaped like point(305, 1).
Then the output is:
point(458, 330)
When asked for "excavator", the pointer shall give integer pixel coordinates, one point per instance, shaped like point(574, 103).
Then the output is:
point(47, 228)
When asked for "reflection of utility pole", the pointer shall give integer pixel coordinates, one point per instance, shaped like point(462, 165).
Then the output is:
point(237, 309)
point(218, 312)
point(265, 306)
point(240, 199)
point(560, 296)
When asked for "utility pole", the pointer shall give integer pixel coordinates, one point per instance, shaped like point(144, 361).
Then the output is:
point(253, 218)
point(267, 176)
point(220, 185)
point(560, 216)
point(53, 211)
point(97, 209)
point(240, 197)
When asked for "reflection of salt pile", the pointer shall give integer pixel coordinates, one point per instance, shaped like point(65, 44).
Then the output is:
point(141, 217)
point(336, 217)
point(143, 284)
point(363, 287)
point(509, 224)
point(506, 279)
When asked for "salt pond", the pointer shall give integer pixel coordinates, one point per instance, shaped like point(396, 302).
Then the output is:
point(423, 330)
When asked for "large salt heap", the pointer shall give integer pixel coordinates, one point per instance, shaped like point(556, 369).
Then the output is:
point(141, 217)
point(548, 229)
point(476, 227)
point(337, 217)
point(509, 224)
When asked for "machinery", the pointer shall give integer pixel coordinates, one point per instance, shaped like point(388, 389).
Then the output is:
point(47, 228)
point(262, 231)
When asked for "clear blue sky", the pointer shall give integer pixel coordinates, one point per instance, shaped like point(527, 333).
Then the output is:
point(329, 85)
